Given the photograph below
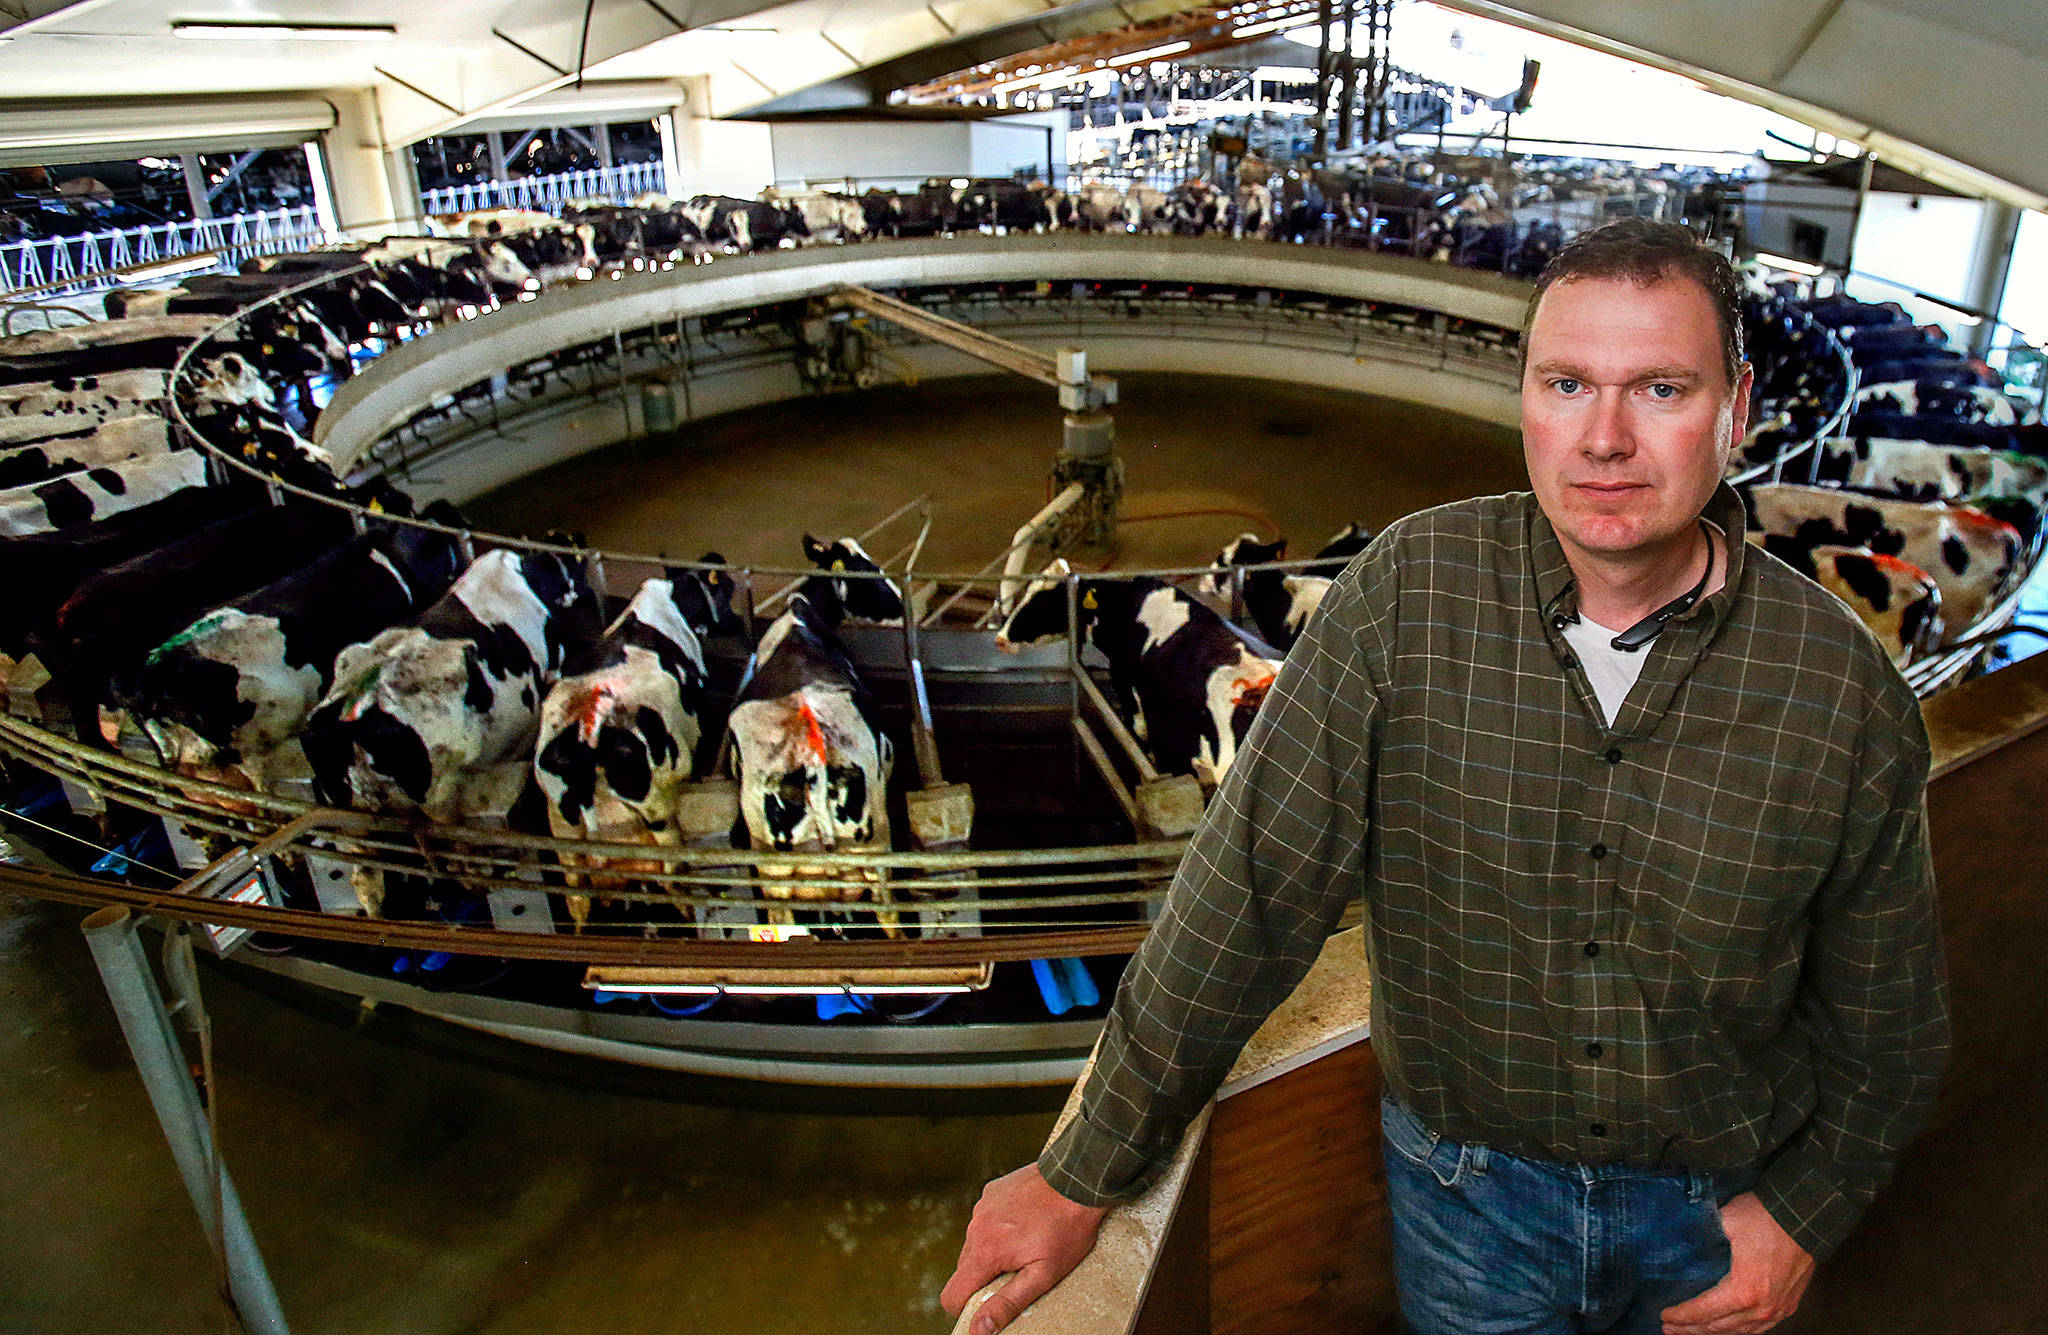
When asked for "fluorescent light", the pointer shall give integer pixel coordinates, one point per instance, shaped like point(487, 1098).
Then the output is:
point(1152, 53)
point(1790, 265)
point(170, 268)
point(284, 32)
point(1272, 25)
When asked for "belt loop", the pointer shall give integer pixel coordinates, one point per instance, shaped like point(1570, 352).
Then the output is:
point(1699, 1186)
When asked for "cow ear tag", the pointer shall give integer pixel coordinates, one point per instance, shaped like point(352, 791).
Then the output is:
point(1088, 600)
point(839, 567)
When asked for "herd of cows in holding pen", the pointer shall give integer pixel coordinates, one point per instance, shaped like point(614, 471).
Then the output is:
point(368, 662)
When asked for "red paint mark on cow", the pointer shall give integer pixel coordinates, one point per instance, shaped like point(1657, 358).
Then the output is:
point(1250, 693)
point(589, 711)
point(1977, 519)
point(814, 735)
point(1892, 565)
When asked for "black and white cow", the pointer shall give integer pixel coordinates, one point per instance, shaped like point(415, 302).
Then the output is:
point(71, 402)
point(619, 731)
point(235, 686)
point(1898, 601)
point(101, 634)
point(812, 765)
point(1915, 470)
point(41, 570)
point(114, 442)
point(439, 716)
point(843, 562)
point(1335, 554)
point(749, 224)
point(1971, 555)
point(1187, 682)
point(1932, 398)
point(98, 493)
point(1279, 601)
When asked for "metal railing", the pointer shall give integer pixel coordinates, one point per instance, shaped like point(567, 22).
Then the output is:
point(549, 194)
point(86, 262)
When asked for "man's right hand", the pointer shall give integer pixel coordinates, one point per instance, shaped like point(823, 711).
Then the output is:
point(1027, 1230)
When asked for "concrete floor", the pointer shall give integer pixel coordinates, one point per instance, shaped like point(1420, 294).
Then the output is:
point(399, 1188)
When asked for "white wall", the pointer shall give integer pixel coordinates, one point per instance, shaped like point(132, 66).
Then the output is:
point(1006, 145)
point(1926, 242)
point(890, 154)
point(723, 157)
point(2026, 284)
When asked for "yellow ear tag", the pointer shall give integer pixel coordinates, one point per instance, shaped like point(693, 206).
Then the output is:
point(1088, 600)
point(839, 567)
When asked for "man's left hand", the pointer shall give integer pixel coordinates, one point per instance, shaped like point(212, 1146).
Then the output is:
point(1767, 1275)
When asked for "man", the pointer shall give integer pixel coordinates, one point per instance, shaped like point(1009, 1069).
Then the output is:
point(1638, 817)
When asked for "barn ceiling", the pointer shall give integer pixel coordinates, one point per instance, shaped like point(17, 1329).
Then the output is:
point(1953, 90)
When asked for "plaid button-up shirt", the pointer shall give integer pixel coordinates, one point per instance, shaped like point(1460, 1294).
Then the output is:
point(1704, 936)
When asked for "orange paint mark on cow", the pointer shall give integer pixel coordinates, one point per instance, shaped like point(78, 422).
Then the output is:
point(1250, 692)
point(1977, 519)
point(814, 735)
point(1894, 566)
point(589, 711)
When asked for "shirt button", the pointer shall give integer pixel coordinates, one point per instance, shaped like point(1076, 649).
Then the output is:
point(1598, 851)
point(1567, 662)
point(1613, 756)
point(1598, 1128)
point(1592, 948)
point(1594, 1050)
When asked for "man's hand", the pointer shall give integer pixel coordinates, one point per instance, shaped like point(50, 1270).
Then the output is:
point(1766, 1277)
point(1020, 1225)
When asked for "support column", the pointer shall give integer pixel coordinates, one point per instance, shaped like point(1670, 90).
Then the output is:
point(672, 183)
point(720, 157)
point(375, 187)
point(195, 186)
point(1989, 268)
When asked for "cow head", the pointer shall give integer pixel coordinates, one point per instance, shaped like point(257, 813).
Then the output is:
point(230, 379)
point(1039, 614)
point(574, 617)
point(704, 596)
point(869, 599)
point(1244, 550)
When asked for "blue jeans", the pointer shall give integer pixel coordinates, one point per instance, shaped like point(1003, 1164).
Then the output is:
point(1487, 1243)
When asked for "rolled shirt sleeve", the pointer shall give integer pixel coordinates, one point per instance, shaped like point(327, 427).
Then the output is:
point(1266, 878)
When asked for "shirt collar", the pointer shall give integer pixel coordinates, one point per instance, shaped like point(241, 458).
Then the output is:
point(1557, 589)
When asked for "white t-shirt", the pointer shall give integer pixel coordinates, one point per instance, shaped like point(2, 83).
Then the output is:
point(1612, 671)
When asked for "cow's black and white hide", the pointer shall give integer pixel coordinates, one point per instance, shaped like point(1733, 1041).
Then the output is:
point(620, 731)
point(748, 224)
point(70, 403)
point(439, 716)
point(1335, 554)
point(830, 217)
point(1971, 555)
point(1915, 398)
point(233, 689)
point(1280, 602)
point(41, 570)
point(102, 633)
point(1186, 682)
point(181, 329)
point(812, 765)
point(843, 562)
point(114, 442)
point(98, 493)
point(1898, 601)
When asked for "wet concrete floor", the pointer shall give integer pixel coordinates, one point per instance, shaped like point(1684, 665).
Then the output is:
point(1205, 459)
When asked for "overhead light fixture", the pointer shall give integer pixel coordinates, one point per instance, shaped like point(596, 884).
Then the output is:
point(172, 267)
point(1152, 53)
point(1790, 265)
point(210, 30)
point(1272, 25)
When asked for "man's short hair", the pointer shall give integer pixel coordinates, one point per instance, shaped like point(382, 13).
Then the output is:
point(1645, 252)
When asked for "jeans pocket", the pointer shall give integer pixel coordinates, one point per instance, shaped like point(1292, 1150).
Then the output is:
point(1444, 1159)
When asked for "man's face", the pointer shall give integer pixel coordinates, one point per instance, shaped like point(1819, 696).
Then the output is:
point(1628, 418)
